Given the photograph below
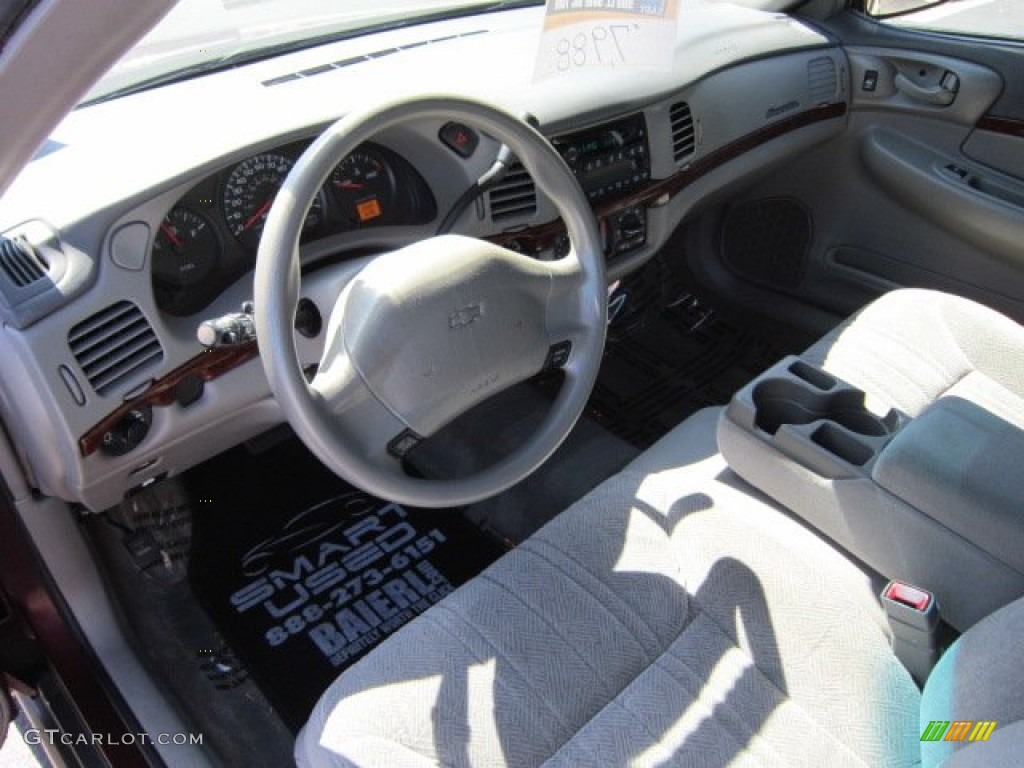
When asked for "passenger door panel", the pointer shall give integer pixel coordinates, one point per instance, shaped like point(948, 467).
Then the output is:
point(925, 187)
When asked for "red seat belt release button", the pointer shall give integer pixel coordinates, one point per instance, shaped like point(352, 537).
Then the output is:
point(910, 596)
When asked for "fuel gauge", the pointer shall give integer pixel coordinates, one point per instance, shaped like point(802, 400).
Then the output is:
point(186, 249)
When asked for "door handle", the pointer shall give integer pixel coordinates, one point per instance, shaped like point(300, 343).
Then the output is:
point(941, 95)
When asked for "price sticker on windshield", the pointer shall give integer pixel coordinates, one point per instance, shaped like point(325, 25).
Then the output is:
point(605, 35)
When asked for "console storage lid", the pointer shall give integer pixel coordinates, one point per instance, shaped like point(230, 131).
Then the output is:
point(962, 466)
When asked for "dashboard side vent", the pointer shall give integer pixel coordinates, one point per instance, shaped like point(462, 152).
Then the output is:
point(341, 63)
point(113, 345)
point(20, 262)
point(684, 137)
point(822, 80)
point(515, 196)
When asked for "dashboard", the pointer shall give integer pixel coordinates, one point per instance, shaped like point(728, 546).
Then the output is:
point(141, 217)
point(209, 237)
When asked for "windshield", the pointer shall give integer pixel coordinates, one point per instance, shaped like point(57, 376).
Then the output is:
point(203, 35)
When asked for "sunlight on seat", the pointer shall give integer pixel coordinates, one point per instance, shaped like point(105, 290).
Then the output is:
point(700, 716)
point(480, 688)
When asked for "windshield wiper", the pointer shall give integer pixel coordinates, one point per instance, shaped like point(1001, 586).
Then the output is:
point(253, 55)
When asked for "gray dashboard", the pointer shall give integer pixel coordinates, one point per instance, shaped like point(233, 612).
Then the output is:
point(748, 90)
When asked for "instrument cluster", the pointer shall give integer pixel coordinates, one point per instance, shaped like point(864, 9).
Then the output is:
point(210, 237)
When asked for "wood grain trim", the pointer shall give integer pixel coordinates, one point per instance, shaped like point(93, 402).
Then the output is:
point(208, 366)
point(1008, 126)
point(541, 237)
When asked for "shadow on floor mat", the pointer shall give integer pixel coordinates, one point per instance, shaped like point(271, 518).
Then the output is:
point(303, 574)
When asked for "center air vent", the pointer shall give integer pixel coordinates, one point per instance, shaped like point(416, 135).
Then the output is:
point(20, 262)
point(114, 345)
point(822, 80)
point(515, 196)
point(684, 138)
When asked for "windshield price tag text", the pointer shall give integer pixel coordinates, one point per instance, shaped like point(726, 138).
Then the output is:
point(606, 35)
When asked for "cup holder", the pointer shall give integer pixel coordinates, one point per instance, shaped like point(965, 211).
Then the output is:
point(783, 401)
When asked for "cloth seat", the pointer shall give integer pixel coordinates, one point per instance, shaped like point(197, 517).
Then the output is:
point(672, 617)
point(913, 346)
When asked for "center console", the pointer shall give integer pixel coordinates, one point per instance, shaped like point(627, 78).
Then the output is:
point(933, 501)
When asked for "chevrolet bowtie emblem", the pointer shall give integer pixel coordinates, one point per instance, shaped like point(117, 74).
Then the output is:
point(466, 316)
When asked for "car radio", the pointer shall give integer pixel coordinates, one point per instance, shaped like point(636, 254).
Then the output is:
point(608, 160)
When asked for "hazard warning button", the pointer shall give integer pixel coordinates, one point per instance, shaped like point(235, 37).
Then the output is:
point(460, 138)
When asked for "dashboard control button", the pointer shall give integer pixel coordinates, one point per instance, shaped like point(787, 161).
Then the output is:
point(403, 443)
point(631, 226)
point(189, 390)
point(126, 434)
point(459, 138)
point(558, 355)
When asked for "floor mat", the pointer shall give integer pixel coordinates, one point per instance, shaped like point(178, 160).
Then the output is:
point(303, 574)
point(144, 544)
point(668, 355)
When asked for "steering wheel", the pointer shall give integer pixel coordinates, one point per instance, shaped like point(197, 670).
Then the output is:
point(424, 333)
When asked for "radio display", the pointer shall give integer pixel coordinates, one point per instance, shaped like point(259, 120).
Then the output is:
point(607, 174)
point(605, 140)
point(609, 159)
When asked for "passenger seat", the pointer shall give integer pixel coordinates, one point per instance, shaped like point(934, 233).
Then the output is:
point(913, 346)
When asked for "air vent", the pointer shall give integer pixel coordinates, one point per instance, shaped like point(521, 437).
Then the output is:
point(114, 345)
point(822, 80)
point(515, 196)
point(684, 139)
point(20, 262)
point(342, 63)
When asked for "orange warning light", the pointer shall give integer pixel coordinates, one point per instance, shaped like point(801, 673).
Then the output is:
point(368, 209)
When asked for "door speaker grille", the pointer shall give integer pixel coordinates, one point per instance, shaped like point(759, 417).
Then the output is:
point(768, 240)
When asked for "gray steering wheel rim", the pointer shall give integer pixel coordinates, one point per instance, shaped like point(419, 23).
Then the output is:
point(276, 290)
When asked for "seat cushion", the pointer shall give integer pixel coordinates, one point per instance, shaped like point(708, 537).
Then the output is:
point(672, 616)
point(913, 346)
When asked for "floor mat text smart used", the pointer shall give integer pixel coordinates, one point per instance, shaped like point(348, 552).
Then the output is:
point(304, 574)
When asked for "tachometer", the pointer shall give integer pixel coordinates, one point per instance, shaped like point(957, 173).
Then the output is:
point(363, 185)
point(186, 249)
point(250, 191)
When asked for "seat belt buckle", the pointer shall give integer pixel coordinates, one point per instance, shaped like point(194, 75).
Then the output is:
point(913, 615)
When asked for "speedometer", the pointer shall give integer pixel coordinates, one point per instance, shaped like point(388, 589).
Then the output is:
point(250, 191)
